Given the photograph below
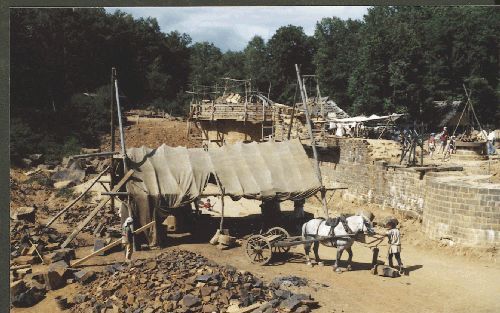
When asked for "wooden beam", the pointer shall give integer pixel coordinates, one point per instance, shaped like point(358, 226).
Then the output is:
point(93, 155)
point(118, 193)
point(99, 207)
point(303, 94)
point(18, 267)
point(78, 198)
point(111, 245)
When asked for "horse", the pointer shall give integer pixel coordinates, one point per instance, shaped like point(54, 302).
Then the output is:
point(318, 229)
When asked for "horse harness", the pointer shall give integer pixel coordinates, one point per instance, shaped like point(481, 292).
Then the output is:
point(333, 222)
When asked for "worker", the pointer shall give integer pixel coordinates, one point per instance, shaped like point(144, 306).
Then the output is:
point(394, 237)
point(128, 237)
point(432, 145)
point(490, 143)
point(207, 205)
point(298, 211)
point(444, 140)
point(453, 145)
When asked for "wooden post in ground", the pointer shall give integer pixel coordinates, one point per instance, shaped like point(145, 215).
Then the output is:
point(313, 141)
point(222, 192)
point(120, 124)
point(293, 113)
point(112, 109)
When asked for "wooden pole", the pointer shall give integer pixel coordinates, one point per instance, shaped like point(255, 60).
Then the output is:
point(122, 135)
point(94, 212)
point(38, 253)
point(293, 114)
point(111, 245)
point(472, 108)
point(319, 99)
point(221, 225)
point(313, 142)
point(93, 155)
point(78, 198)
point(112, 109)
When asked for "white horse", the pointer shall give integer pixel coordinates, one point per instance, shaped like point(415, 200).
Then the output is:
point(317, 229)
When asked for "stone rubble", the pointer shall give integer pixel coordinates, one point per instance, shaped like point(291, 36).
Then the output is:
point(182, 281)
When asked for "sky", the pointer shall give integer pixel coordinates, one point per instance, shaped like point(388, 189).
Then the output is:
point(230, 28)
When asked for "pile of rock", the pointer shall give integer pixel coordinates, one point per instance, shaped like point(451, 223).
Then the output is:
point(32, 287)
point(28, 240)
point(182, 281)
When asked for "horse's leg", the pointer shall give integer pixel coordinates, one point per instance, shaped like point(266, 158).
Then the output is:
point(340, 250)
point(307, 249)
point(349, 260)
point(316, 255)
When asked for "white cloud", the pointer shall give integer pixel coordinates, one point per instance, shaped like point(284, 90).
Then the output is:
point(230, 28)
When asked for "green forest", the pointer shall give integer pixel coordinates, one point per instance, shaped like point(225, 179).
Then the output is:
point(396, 59)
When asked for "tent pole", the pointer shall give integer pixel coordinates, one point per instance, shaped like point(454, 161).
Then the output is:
point(221, 225)
point(112, 109)
point(313, 142)
point(122, 135)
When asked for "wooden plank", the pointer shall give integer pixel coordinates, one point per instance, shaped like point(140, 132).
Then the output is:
point(99, 207)
point(78, 198)
point(111, 245)
point(18, 267)
point(93, 155)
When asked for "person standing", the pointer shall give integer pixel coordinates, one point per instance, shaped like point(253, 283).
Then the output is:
point(207, 205)
point(128, 237)
point(444, 140)
point(298, 212)
point(490, 143)
point(432, 145)
point(394, 237)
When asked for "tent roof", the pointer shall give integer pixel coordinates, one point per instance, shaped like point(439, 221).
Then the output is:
point(176, 176)
point(362, 118)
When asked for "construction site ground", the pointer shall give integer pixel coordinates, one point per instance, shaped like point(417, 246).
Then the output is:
point(441, 278)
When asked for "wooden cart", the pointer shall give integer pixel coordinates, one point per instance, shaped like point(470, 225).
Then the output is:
point(260, 248)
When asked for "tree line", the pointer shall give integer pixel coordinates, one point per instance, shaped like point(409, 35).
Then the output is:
point(397, 59)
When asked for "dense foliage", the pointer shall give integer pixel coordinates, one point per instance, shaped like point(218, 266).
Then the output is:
point(397, 59)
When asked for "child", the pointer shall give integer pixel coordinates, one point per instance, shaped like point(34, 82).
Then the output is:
point(394, 245)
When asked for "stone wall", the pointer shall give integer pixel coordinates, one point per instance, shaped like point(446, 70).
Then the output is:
point(473, 218)
point(464, 211)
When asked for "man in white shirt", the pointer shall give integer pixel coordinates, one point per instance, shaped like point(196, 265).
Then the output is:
point(490, 143)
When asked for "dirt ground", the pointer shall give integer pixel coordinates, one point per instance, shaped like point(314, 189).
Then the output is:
point(441, 278)
point(438, 281)
point(152, 133)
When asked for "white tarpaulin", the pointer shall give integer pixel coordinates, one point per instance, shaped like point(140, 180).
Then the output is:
point(171, 177)
point(361, 119)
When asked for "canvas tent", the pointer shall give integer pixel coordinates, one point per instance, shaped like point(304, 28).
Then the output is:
point(167, 178)
point(363, 119)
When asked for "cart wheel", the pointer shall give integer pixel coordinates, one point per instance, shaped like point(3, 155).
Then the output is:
point(258, 249)
point(283, 235)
